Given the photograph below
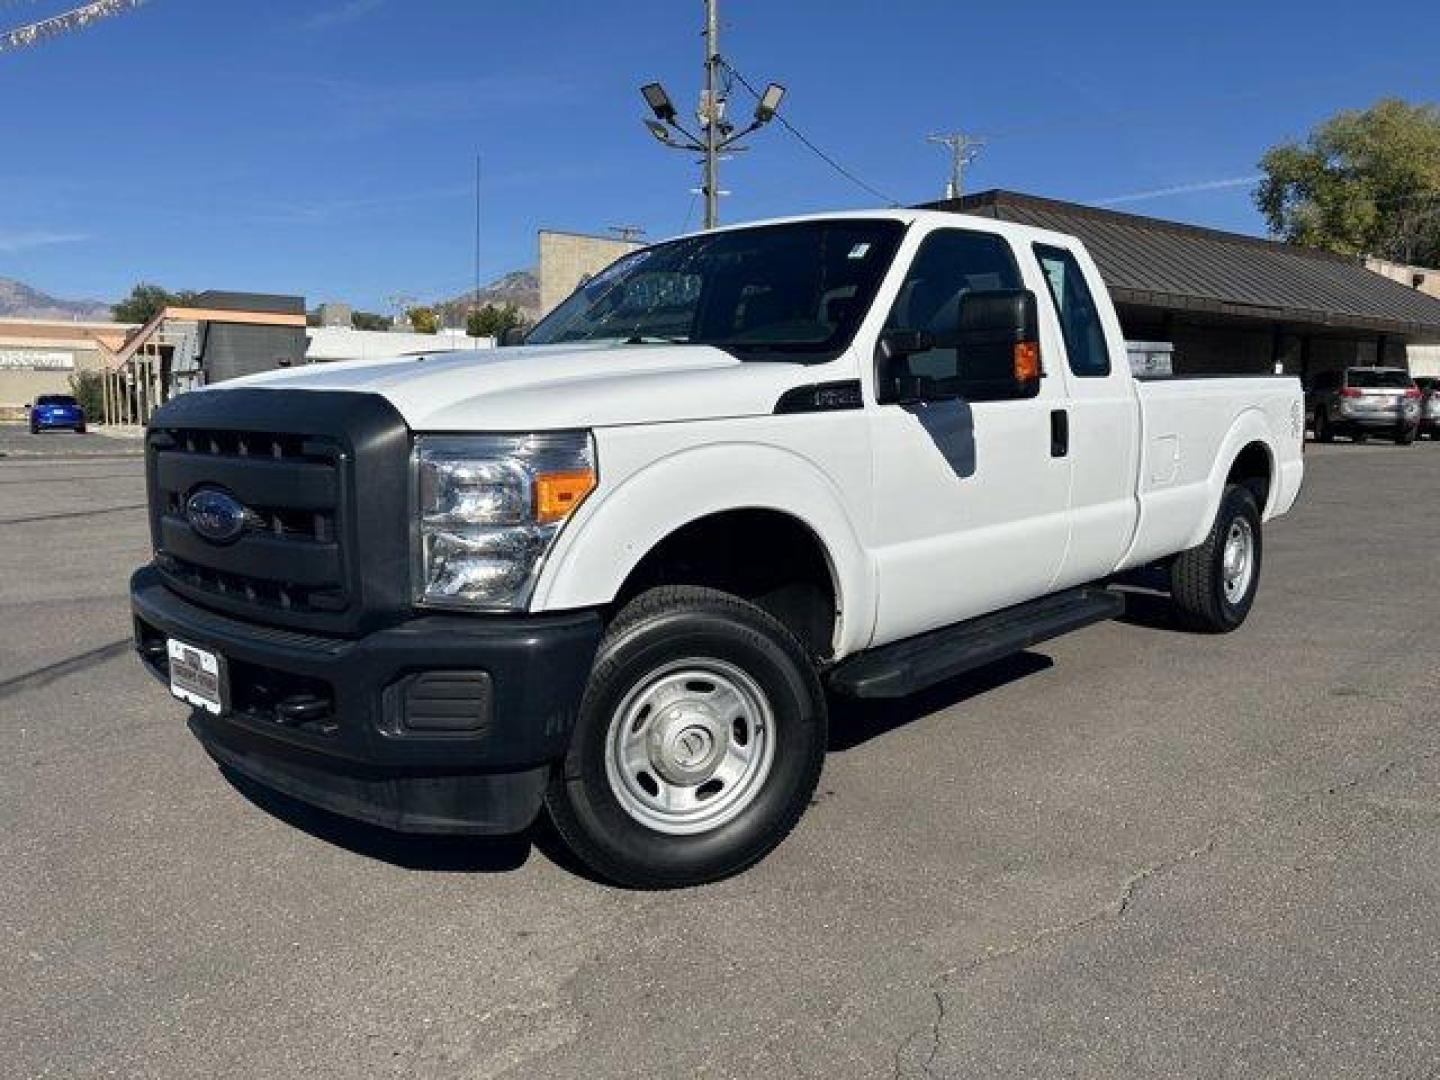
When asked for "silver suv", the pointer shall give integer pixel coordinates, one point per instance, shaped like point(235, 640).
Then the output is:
point(1429, 386)
point(1364, 401)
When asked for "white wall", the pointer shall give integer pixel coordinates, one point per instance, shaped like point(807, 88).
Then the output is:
point(343, 343)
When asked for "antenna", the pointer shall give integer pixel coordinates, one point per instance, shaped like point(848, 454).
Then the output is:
point(475, 296)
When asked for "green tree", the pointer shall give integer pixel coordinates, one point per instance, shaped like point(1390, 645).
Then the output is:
point(368, 320)
point(86, 386)
point(493, 320)
point(1364, 182)
point(146, 301)
point(423, 320)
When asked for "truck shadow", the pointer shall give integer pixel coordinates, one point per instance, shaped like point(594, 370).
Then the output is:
point(454, 854)
point(854, 722)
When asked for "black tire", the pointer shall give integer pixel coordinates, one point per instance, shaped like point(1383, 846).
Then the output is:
point(79, 429)
point(1360, 437)
point(1323, 431)
point(34, 429)
point(1405, 437)
point(661, 627)
point(1197, 576)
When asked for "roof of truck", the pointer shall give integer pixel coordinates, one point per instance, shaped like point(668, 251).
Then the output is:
point(1151, 262)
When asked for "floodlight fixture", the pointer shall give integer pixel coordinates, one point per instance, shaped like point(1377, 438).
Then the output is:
point(659, 102)
point(769, 103)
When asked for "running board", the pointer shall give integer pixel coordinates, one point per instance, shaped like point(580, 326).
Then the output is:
point(914, 663)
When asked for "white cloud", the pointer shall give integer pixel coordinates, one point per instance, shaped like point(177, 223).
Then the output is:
point(340, 14)
point(23, 240)
point(1180, 189)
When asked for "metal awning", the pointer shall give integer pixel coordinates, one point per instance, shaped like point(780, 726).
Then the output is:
point(1153, 263)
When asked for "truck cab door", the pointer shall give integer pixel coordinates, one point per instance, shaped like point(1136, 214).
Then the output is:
point(1102, 413)
point(970, 501)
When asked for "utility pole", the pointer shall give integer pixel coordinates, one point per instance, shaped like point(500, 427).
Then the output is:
point(718, 134)
point(964, 149)
point(712, 118)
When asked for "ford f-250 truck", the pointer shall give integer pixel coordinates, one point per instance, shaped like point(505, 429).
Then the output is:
point(615, 572)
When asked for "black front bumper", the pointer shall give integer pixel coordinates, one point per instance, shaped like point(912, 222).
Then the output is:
point(442, 723)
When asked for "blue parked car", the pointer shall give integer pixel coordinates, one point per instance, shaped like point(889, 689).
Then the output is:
point(56, 411)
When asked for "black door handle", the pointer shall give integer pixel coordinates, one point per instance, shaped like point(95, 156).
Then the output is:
point(1059, 432)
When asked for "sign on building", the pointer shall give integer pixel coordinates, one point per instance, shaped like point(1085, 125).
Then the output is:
point(35, 360)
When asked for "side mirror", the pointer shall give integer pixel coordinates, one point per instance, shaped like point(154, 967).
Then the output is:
point(894, 384)
point(999, 339)
point(512, 335)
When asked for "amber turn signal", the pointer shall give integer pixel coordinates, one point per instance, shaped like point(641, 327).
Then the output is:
point(1027, 360)
point(557, 494)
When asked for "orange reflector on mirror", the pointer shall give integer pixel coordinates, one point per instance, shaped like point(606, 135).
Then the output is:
point(1027, 360)
point(557, 494)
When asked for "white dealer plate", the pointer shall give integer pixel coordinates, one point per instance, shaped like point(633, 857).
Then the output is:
point(197, 676)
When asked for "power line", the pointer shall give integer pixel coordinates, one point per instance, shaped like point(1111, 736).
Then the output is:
point(821, 154)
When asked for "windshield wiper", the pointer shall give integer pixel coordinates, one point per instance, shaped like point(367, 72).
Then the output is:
point(655, 339)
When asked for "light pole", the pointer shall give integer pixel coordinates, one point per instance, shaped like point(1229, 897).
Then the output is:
point(717, 133)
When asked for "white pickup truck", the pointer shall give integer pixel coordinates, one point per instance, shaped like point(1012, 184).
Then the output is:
point(615, 572)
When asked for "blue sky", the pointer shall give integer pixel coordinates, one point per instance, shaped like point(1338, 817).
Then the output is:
point(327, 147)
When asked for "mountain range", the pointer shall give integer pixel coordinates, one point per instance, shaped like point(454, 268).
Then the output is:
point(18, 300)
point(519, 287)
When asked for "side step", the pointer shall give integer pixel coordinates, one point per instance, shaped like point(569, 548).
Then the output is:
point(914, 663)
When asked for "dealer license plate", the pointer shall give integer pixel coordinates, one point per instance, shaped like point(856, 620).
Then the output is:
point(197, 676)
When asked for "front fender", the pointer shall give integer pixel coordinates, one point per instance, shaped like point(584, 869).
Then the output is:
point(597, 551)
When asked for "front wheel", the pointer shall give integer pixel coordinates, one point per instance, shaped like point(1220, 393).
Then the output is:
point(1213, 586)
point(1405, 436)
point(699, 742)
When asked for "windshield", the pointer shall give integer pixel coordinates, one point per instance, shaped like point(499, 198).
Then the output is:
point(1378, 380)
point(775, 292)
point(54, 399)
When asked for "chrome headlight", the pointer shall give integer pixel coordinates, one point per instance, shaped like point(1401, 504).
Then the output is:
point(488, 509)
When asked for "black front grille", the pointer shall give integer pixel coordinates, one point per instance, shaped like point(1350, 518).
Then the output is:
point(290, 555)
point(301, 557)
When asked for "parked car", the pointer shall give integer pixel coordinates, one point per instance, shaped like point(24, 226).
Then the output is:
point(1429, 387)
point(615, 570)
point(52, 411)
point(1364, 401)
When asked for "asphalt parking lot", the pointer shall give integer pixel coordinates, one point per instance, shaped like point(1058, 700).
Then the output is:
point(1128, 852)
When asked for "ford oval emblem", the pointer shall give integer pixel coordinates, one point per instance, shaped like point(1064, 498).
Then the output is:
point(215, 514)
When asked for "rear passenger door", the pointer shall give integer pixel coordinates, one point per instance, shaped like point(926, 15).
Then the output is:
point(970, 504)
point(1101, 417)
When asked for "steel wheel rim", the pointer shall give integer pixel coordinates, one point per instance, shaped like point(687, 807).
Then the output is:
point(690, 746)
point(1238, 560)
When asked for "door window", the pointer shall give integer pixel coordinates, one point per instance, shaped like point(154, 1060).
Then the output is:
point(1079, 317)
point(949, 264)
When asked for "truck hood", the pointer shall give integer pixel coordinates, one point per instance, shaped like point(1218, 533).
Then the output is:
point(547, 387)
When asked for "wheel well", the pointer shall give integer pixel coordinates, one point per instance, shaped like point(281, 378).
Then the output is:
point(766, 557)
point(1252, 469)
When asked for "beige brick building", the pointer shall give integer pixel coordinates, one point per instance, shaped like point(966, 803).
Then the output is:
point(567, 259)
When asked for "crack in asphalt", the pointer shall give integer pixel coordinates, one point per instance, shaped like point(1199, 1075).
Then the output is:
point(43, 676)
point(1112, 912)
point(73, 514)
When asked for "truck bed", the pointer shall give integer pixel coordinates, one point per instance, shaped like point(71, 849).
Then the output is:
point(1193, 427)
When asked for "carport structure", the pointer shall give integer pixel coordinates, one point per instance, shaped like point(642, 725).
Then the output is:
point(1230, 303)
point(221, 336)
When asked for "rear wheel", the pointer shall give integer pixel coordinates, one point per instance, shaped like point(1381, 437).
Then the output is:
point(699, 742)
point(1323, 431)
point(1405, 437)
point(1213, 586)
